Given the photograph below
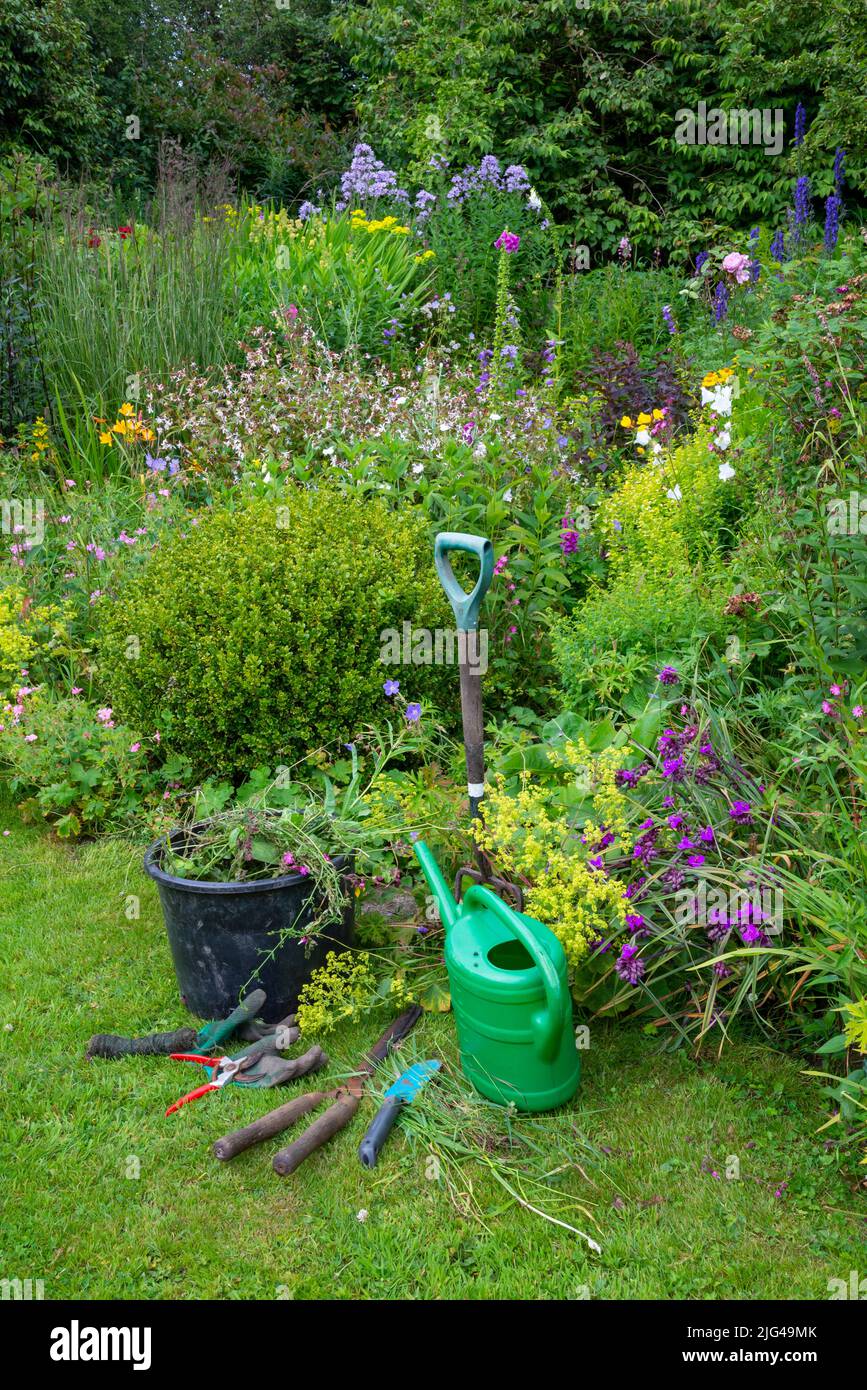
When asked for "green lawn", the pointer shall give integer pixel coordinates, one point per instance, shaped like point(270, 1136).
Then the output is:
point(190, 1227)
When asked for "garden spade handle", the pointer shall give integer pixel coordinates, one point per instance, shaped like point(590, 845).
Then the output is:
point(466, 610)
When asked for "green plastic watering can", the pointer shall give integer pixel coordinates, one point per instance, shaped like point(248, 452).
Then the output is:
point(510, 996)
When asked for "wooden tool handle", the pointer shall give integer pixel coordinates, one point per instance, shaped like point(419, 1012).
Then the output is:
point(336, 1117)
point(268, 1125)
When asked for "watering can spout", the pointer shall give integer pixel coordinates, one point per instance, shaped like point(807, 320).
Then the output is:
point(448, 908)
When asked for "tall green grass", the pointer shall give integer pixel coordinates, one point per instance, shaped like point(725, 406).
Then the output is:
point(112, 312)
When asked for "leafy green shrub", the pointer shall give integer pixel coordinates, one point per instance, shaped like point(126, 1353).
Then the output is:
point(607, 651)
point(257, 633)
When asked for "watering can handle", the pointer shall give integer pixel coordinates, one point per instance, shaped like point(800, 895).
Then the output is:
point(465, 606)
point(550, 1029)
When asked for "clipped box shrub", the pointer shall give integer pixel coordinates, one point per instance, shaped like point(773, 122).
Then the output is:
point(255, 637)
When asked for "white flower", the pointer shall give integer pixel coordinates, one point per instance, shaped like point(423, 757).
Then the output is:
point(418, 468)
point(725, 472)
point(675, 493)
point(480, 450)
point(723, 439)
point(362, 1215)
point(643, 437)
point(507, 495)
point(719, 399)
point(534, 201)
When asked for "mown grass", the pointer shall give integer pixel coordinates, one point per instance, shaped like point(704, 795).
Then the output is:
point(190, 1227)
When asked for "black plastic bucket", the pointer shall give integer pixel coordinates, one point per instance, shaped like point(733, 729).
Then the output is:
point(222, 935)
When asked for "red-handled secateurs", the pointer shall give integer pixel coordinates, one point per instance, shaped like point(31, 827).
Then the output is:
point(223, 1070)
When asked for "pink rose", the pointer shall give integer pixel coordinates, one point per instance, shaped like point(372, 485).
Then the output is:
point(738, 265)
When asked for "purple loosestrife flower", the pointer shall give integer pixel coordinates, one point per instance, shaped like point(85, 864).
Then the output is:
point(630, 967)
point(630, 777)
point(751, 935)
point(624, 251)
point(720, 302)
point(832, 221)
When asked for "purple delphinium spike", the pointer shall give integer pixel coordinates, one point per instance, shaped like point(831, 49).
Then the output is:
point(832, 221)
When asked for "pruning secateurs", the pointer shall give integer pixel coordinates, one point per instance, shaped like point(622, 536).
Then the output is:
point(221, 1070)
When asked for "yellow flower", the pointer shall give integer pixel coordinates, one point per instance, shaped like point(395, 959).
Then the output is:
point(657, 414)
point(626, 422)
point(126, 409)
point(105, 436)
point(643, 419)
point(119, 427)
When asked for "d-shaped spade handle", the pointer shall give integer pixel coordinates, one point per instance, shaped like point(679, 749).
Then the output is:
point(465, 606)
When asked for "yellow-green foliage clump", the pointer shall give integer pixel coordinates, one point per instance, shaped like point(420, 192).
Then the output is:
point(342, 988)
point(645, 527)
point(16, 644)
point(25, 633)
point(532, 838)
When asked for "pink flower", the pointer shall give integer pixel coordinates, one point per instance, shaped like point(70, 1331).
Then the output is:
point(828, 708)
point(288, 857)
point(507, 241)
point(857, 711)
point(737, 264)
point(836, 690)
point(29, 738)
point(104, 715)
point(134, 747)
point(76, 690)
